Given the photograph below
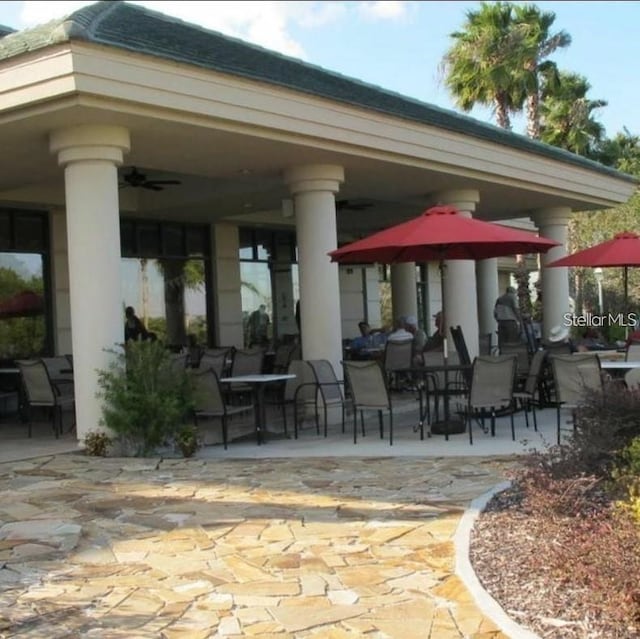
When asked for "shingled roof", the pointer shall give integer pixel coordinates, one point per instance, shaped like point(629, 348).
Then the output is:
point(134, 28)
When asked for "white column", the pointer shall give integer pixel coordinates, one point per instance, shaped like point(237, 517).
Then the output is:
point(313, 188)
point(460, 296)
point(488, 291)
point(553, 223)
point(90, 155)
point(403, 290)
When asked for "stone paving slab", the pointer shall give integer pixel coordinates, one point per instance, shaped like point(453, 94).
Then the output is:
point(170, 548)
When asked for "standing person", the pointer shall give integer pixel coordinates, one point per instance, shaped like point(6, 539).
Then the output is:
point(259, 326)
point(134, 329)
point(507, 313)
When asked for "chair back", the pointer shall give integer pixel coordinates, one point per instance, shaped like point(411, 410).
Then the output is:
point(303, 387)
point(536, 368)
point(632, 379)
point(633, 352)
point(367, 382)
point(521, 351)
point(485, 344)
point(215, 361)
point(247, 362)
point(282, 357)
point(55, 366)
point(460, 344)
point(208, 396)
point(492, 380)
point(397, 355)
point(436, 358)
point(36, 382)
point(325, 376)
point(178, 361)
point(576, 376)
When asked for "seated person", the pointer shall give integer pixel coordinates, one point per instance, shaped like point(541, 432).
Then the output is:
point(560, 341)
point(363, 341)
point(435, 342)
point(418, 341)
point(399, 333)
point(591, 340)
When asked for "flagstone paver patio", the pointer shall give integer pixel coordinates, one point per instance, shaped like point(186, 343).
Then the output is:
point(308, 547)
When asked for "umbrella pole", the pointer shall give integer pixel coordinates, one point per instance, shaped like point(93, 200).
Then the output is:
point(445, 351)
point(626, 301)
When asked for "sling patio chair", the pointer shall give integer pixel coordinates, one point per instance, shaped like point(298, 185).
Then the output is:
point(330, 388)
point(210, 404)
point(576, 378)
point(369, 392)
point(41, 392)
point(490, 392)
point(529, 395)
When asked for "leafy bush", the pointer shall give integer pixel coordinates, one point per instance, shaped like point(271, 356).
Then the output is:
point(186, 439)
point(146, 396)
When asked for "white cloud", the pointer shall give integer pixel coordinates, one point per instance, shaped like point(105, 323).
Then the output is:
point(383, 10)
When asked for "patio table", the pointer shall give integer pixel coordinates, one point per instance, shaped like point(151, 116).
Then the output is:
point(446, 425)
point(258, 384)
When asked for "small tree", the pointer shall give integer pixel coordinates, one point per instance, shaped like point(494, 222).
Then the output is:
point(147, 397)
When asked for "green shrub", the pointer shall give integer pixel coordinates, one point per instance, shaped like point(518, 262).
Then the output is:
point(146, 397)
point(186, 440)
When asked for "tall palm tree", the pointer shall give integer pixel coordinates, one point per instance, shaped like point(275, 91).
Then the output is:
point(567, 116)
point(479, 66)
point(538, 43)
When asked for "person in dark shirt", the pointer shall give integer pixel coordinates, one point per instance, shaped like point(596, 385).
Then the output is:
point(134, 329)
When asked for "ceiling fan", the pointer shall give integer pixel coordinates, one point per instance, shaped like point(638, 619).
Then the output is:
point(353, 205)
point(137, 179)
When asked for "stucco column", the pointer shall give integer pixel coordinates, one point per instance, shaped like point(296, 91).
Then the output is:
point(403, 290)
point(460, 296)
point(90, 155)
point(553, 223)
point(313, 188)
point(488, 292)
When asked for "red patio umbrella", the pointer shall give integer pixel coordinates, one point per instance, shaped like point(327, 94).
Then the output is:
point(440, 234)
point(23, 304)
point(621, 250)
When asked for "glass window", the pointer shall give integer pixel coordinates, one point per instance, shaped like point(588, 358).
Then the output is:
point(169, 296)
point(5, 231)
point(30, 232)
point(23, 326)
point(255, 288)
point(148, 239)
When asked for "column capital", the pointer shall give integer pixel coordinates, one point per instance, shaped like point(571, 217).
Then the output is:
point(314, 177)
point(90, 142)
point(462, 199)
point(557, 215)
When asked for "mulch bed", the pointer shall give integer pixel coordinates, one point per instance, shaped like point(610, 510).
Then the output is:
point(507, 552)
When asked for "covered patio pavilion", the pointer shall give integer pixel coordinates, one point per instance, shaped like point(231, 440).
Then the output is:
point(257, 140)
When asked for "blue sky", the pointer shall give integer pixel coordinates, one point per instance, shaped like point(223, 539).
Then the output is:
point(398, 45)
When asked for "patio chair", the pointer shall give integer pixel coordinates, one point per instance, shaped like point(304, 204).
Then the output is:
point(523, 359)
point(490, 391)
point(41, 392)
point(529, 395)
point(632, 353)
point(369, 392)
point(632, 379)
point(575, 377)
point(397, 356)
point(460, 344)
point(60, 373)
point(435, 384)
point(301, 393)
point(210, 404)
point(244, 362)
point(330, 389)
point(215, 360)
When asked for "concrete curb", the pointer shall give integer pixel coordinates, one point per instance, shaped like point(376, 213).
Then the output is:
point(485, 602)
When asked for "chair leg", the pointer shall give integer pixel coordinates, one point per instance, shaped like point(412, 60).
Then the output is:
point(469, 420)
point(513, 428)
point(381, 424)
point(224, 431)
point(355, 425)
point(533, 411)
point(558, 415)
point(390, 427)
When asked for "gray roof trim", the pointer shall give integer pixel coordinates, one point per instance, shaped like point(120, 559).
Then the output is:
point(134, 28)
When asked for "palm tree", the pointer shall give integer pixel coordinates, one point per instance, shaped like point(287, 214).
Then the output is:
point(538, 43)
point(622, 151)
point(479, 67)
point(567, 116)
